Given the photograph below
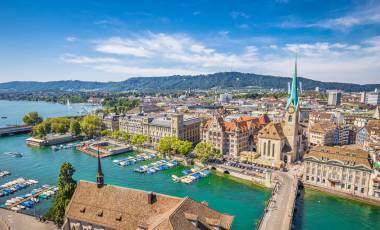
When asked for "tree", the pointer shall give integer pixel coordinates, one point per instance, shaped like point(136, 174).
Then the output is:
point(91, 125)
point(166, 144)
point(74, 127)
point(184, 147)
point(204, 151)
point(127, 137)
point(66, 188)
point(106, 132)
point(32, 118)
point(138, 140)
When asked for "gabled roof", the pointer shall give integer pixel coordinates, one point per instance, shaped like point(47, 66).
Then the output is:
point(124, 208)
point(274, 130)
point(243, 123)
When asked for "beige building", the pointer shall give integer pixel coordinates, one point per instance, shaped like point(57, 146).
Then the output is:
point(235, 136)
point(157, 127)
point(328, 134)
point(345, 169)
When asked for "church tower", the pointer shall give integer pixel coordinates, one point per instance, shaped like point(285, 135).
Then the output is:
point(99, 175)
point(291, 123)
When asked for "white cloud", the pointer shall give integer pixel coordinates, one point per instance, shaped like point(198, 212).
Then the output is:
point(158, 54)
point(239, 14)
point(72, 39)
point(71, 58)
point(363, 16)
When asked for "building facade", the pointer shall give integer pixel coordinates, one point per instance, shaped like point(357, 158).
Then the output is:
point(235, 136)
point(334, 98)
point(156, 128)
point(346, 169)
point(328, 134)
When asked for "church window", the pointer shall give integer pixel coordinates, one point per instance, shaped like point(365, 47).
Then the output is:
point(290, 118)
point(273, 150)
point(265, 148)
point(268, 148)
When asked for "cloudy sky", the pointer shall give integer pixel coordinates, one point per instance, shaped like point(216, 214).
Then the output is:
point(113, 40)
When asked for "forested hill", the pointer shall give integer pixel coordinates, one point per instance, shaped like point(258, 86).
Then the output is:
point(220, 80)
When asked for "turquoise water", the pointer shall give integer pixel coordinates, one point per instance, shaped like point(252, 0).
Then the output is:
point(323, 211)
point(317, 210)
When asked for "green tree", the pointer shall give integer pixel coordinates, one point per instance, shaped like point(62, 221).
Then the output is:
point(138, 140)
point(74, 127)
point(91, 125)
point(32, 118)
point(66, 188)
point(126, 137)
point(167, 144)
point(184, 147)
point(204, 151)
point(106, 133)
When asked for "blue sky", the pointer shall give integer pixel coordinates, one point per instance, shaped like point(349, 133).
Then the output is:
point(113, 40)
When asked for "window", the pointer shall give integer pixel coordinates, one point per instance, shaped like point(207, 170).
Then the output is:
point(290, 118)
point(273, 150)
point(362, 190)
point(265, 148)
point(269, 148)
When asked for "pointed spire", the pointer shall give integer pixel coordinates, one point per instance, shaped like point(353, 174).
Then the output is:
point(99, 176)
point(293, 99)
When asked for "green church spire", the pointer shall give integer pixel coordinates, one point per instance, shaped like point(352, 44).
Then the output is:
point(293, 99)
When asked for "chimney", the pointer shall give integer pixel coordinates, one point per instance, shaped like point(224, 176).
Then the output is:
point(151, 197)
point(205, 203)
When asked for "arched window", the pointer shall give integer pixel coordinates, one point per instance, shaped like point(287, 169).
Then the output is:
point(272, 150)
point(290, 118)
point(265, 148)
point(268, 148)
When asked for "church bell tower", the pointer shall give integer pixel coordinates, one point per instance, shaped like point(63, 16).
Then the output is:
point(291, 127)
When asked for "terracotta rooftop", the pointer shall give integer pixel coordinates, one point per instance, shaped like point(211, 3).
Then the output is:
point(322, 127)
point(320, 115)
point(244, 123)
point(124, 208)
point(347, 154)
point(274, 130)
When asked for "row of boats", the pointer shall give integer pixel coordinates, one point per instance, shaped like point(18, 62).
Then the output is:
point(4, 173)
point(157, 166)
point(14, 154)
point(60, 147)
point(191, 175)
point(30, 199)
point(15, 185)
point(133, 160)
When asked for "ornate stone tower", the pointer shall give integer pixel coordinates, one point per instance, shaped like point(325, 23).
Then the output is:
point(291, 126)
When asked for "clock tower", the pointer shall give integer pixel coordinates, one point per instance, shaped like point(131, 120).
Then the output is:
point(291, 122)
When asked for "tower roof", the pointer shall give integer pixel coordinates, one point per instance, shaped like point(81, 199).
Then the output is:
point(293, 99)
point(99, 176)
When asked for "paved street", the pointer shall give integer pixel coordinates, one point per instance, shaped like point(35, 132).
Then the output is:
point(12, 220)
point(278, 215)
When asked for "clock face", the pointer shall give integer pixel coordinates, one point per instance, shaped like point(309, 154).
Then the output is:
point(291, 109)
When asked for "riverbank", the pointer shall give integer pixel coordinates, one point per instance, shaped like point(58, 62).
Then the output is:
point(343, 195)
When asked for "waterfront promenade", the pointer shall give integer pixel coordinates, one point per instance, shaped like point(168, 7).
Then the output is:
point(278, 214)
point(10, 220)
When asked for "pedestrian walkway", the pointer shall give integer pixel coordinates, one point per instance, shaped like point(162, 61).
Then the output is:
point(279, 211)
point(16, 221)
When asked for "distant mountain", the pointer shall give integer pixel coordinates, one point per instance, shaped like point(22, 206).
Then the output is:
point(220, 80)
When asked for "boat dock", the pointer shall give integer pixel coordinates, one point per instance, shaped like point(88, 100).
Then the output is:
point(15, 129)
point(132, 160)
point(157, 166)
point(36, 195)
point(4, 173)
point(191, 175)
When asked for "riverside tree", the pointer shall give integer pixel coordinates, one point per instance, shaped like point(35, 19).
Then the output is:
point(74, 127)
point(32, 118)
point(204, 151)
point(66, 188)
point(172, 144)
point(91, 125)
point(138, 139)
